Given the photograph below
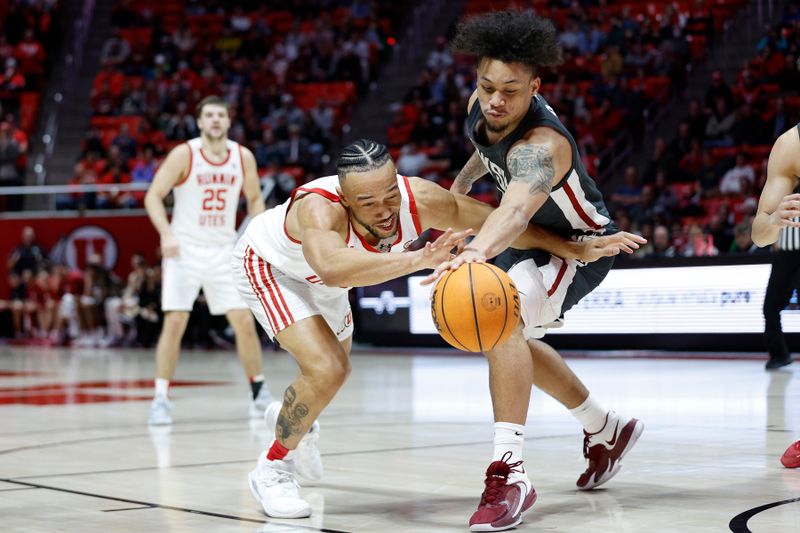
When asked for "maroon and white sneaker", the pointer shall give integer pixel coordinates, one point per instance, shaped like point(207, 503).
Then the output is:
point(507, 495)
point(791, 457)
point(605, 449)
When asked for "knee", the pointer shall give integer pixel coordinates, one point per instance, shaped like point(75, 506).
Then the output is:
point(175, 324)
point(329, 374)
point(243, 324)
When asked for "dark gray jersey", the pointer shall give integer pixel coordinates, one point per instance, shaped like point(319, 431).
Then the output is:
point(575, 205)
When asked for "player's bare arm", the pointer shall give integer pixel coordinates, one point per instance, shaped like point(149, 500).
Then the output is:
point(322, 228)
point(441, 209)
point(474, 168)
point(778, 206)
point(251, 187)
point(536, 165)
point(171, 172)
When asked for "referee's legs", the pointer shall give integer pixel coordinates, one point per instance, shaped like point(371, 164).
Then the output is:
point(779, 290)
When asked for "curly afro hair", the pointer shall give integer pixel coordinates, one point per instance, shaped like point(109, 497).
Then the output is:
point(510, 36)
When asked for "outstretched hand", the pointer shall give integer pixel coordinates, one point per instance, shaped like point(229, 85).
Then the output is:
point(465, 255)
point(442, 248)
point(608, 245)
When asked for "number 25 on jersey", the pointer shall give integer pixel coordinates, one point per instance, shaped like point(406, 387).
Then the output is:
point(214, 199)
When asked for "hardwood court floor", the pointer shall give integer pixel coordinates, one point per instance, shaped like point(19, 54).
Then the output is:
point(405, 445)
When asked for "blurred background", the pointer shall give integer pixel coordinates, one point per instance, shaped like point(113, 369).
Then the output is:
point(674, 104)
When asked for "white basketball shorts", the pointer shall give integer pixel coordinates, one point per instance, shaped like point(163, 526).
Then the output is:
point(196, 267)
point(278, 301)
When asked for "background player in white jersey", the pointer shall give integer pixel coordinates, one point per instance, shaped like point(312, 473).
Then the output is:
point(295, 263)
point(207, 175)
point(779, 211)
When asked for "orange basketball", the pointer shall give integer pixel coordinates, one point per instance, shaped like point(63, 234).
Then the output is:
point(475, 307)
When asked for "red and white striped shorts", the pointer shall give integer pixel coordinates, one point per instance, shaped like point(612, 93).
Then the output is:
point(278, 301)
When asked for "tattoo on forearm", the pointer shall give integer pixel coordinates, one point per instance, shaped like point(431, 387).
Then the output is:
point(473, 169)
point(290, 419)
point(532, 163)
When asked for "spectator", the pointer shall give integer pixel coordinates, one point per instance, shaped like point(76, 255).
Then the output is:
point(28, 255)
point(115, 198)
point(699, 243)
point(9, 173)
point(440, 58)
point(12, 80)
point(181, 126)
point(81, 175)
point(30, 55)
point(697, 120)
point(323, 117)
point(125, 142)
point(718, 89)
point(662, 246)
point(780, 121)
point(630, 193)
point(743, 242)
point(411, 160)
point(298, 151)
point(749, 127)
point(719, 126)
point(733, 182)
point(708, 175)
point(115, 50)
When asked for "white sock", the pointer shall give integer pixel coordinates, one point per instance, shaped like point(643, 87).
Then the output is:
point(508, 437)
point(591, 415)
point(162, 387)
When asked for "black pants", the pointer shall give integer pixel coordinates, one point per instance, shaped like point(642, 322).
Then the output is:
point(785, 277)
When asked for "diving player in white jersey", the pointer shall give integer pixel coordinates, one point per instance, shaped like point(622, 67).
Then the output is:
point(206, 176)
point(295, 263)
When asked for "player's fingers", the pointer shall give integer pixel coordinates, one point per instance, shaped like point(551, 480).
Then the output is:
point(631, 243)
point(626, 249)
point(635, 238)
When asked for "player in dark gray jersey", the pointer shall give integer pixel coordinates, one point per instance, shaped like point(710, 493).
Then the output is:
point(535, 164)
point(778, 217)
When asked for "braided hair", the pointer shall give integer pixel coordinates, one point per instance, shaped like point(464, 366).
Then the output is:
point(362, 155)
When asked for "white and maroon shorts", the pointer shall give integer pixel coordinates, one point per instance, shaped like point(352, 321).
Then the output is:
point(196, 267)
point(549, 286)
point(278, 300)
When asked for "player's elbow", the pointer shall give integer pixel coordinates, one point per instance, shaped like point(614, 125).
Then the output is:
point(330, 276)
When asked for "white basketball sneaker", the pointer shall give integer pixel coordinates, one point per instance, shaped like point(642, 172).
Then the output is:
point(274, 486)
point(260, 403)
point(160, 411)
point(307, 458)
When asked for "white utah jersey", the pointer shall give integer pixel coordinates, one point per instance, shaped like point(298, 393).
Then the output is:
point(207, 200)
point(266, 234)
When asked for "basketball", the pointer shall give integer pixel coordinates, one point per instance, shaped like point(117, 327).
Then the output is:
point(475, 307)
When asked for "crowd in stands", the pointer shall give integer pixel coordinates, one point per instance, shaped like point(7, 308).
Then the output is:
point(700, 190)
point(53, 304)
point(620, 60)
point(291, 71)
point(29, 29)
point(49, 303)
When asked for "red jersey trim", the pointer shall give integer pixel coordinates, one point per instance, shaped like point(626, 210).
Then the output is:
point(189, 170)
point(211, 162)
point(412, 205)
point(578, 209)
point(368, 246)
point(559, 277)
point(322, 192)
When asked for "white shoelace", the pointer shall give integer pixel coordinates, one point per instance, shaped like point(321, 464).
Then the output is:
point(285, 480)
